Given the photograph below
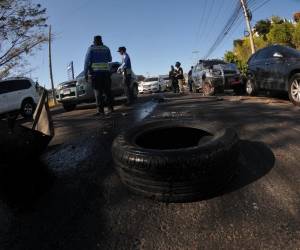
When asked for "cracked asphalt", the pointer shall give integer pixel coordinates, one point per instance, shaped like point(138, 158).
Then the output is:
point(73, 199)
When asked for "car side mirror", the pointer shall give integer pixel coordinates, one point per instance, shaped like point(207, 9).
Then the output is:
point(277, 55)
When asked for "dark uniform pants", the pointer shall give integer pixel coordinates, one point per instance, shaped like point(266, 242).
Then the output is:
point(102, 86)
point(127, 87)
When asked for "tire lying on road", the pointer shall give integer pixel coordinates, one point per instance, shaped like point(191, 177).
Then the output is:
point(175, 161)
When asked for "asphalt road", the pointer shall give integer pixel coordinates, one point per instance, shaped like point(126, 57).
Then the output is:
point(73, 198)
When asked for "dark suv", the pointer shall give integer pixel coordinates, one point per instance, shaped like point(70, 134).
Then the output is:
point(275, 68)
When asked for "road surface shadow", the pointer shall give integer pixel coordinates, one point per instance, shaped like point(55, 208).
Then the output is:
point(23, 183)
point(255, 161)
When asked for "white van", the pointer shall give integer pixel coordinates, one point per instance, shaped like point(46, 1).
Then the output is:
point(18, 94)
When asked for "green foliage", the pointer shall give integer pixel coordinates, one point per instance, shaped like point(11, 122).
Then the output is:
point(276, 20)
point(281, 33)
point(296, 36)
point(274, 31)
point(263, 27)
point(22, 27)
point(230, 57)
point(237, 42)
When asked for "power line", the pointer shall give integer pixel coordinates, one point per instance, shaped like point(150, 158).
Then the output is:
point(227, 27)
point(201, 21)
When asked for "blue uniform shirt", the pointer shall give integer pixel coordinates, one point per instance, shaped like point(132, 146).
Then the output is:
point(97, 59)
point(126, 63)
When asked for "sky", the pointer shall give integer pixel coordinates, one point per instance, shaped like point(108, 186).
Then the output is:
point(157, 33)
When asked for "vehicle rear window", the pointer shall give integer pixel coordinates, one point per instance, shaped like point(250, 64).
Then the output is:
point(290, 52)
point(266, 53)
point(14, 85)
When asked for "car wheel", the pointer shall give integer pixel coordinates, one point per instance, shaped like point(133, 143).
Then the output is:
point(175, 161)
point(251, 87)
point(69, 107)
point(208, 89)
point(28, 108)
point(294, 89)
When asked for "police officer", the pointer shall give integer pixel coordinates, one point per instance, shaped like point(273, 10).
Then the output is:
point(125, 69)
point(190, 80)
point(173, 80)
point(179, 76)
point(96, 65)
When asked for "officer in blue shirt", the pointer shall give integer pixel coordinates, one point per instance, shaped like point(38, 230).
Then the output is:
point(97, 66)
point(125, 69)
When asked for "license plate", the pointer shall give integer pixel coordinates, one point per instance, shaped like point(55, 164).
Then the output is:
point(67, 92)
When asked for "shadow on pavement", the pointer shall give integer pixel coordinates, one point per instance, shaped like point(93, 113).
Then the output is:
point(256, 160)
point(23, 183)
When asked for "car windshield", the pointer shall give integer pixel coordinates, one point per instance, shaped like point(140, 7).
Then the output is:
point(153, 79)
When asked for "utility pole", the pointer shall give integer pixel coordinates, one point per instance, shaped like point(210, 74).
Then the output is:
point(50, 66)
point(247, 16)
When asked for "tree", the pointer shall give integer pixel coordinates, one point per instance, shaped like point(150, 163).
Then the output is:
point(276, 20)
point(22, 30)
point(237, 42)
point(281, 33)
point(297, 17)
point(230, 57)
point(263, 27)
point(296, 36)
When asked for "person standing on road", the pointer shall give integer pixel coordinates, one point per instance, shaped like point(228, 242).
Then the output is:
point(179, 77)
point(190, 80)
point(97, 66)
point(173, 79)
point(125, 69)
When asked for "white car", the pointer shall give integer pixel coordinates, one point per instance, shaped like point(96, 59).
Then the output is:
point(163, 81)
point(18, 94)
point(152, 85)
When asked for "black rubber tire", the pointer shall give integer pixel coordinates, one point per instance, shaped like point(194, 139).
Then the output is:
point(27, 105)
point(175, 175)
point(292, 79)
point(69, 107)
point(251, 88)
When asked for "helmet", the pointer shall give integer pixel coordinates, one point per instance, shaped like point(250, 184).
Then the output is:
point(177, 64)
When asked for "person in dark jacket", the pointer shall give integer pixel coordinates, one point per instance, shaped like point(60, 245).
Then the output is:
point(96, 65)
point(126, 70)
point(190, 80)
point(173, 80)
point(179, 77)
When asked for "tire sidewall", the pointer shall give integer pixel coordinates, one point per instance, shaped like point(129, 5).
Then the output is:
point(124, 144)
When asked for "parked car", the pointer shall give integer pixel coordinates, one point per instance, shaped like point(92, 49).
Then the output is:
point(152, 85)
point(275, 68)
point(74, 92)
point(18, 94)
point(212, 76)
point(164, 82)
